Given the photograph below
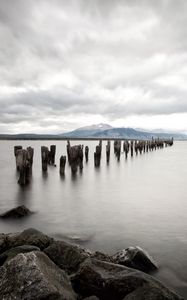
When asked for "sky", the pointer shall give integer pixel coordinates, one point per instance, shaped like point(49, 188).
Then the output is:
point(67, 64)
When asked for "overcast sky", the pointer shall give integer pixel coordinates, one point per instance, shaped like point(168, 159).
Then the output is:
point(66, 64)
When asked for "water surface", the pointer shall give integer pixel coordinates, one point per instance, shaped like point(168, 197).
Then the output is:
point(139, 201)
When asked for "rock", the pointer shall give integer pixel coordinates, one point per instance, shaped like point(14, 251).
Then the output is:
point(27, 237)
point(9, 254)
point(102, 256)
point(148, 293)
point(136, 258)
point(32, 276)
point(91, 298)
point(110, 281)
point(17, 212)
point(67, 256)
point(3, 242)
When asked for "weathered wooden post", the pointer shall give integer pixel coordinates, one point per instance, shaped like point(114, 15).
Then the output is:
point(147, 146)
point(16, 148)
point(44, 156)
point(24, 167)
point(62, 164)
point(51, 156)
point(97, 155)
point(30, 154)
point(68, 151)
point(108, 152)
point(136, 147)
point(144, 145)
point(132, 144)
point(80, 156)
point(126, 148)
point(117, 149)
point(140, 146)
point(73, 159)
point(86, 153)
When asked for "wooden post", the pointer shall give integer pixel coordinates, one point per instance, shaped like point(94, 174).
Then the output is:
point(108, 152)
point(68, 151)
point(86, 153)
point(136, 147)
point(51, 156)
point(24, 167)
point(16, 148)
point(44, 156)
point(97, 155)
point(62, 164)
point(30, 154)
point(126, 148)
point(80, 156)
point(117, 149)
point(132, 144)
point(75, 157)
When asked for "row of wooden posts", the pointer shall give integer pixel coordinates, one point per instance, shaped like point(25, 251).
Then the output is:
point(75, 155)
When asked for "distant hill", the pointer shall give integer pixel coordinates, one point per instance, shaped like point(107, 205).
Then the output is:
point(88, 131)
point(104, 131)
point(107, 131)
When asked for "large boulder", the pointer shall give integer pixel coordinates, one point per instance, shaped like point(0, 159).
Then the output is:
point(27, 237)
point(16, 213)
point(110, 281)
point(9, 254)
point(34, 276)
point(67, 256)
point(136, 258)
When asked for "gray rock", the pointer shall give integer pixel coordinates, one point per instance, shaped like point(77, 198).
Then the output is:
point(147, 293)
point(67, 256)
point(110, 281)
point(136, 258)
point(16, 213)
point(9, 254)
point(91, 298)
point(34, 276)
point(27, 237)
point(102, 256)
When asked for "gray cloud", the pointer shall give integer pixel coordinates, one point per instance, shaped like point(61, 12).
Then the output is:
point(65, 63)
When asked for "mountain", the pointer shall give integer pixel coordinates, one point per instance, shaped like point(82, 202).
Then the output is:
point(103, 131)
point(88, 131)
point(107, 131)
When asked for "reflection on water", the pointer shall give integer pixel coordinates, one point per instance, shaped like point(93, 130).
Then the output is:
point(23, 195)
point(140, 200)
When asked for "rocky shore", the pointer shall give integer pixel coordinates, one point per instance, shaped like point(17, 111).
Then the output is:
point(35, 266)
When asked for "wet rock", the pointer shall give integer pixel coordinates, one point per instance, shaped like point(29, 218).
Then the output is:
point(114, 282)
point(102, 256)
point(34, 276)
point(136, 258)
point(27, 237)
point(17, 212)
point(91, 298)
point(9, 254)
point(3, 242)
point(67, 256)
point(148, 292)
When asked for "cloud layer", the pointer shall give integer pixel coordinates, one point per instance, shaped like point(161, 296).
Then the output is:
point(65, 64)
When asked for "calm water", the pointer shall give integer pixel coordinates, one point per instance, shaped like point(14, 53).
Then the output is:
point(139, 201)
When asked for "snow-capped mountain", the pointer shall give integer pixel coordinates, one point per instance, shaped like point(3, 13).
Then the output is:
point(107, 131)
point(100, 126)
point(88, 131)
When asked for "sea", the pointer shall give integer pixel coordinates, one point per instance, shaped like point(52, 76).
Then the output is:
point(137, 201)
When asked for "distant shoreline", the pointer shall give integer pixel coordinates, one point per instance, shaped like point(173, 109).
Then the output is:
point(78, 139)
